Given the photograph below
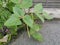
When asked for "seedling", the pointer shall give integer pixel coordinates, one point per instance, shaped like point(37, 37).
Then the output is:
point(20, 18)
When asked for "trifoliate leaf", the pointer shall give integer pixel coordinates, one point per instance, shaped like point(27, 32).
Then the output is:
point(28, 20)
point(38, 8)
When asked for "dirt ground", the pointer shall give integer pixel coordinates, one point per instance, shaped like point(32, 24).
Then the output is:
point(50, 32)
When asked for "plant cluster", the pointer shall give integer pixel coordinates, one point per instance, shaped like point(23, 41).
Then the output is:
point(14, 16)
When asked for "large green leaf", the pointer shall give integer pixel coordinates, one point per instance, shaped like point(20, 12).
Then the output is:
point(37, 36)
point(25, 3)
point(28, 20)
point(40, 17)
point(47, 16)
point(13, 21)
point(38, 8)
point(18, 11)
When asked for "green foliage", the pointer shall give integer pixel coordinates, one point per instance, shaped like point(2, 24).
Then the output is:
point(47, 16)
point(4, 15)
point(27, 19)
point(11, 22)
point(13, 30)
point(20, 14)
point(0, 2)
point(10, 6)
point(15, 1)
point(36, 27)
point(3, 3)
point(40, 17)
point(18, 11)
point(23, 3)
point(37, 36)
point(38, 8)
point(13, 16)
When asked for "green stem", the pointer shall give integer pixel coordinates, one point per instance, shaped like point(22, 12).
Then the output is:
point(32, 17)
point(28, 32)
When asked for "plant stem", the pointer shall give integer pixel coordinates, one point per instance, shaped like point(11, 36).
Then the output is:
point(28, 31)
point(32, 17)
point(22, 25)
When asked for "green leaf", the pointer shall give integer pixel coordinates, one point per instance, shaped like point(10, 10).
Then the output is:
point(32, 31)
point(40, 17)
point(15, 15)
point(25, 3)
point(13, 30)
point(37, 36)
point(10, 6)
point(35, 28)
point(47, 16)
point(28, 20)
point(16, 1)
point(18, 11)
point(38, 8)
point(12, 22)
